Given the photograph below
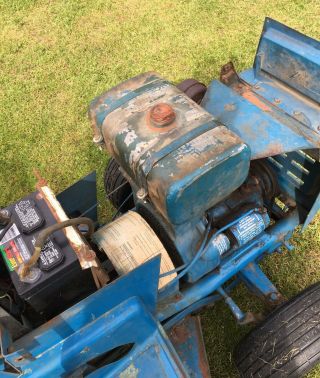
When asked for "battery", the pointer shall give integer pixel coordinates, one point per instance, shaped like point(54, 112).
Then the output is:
point(58, 265)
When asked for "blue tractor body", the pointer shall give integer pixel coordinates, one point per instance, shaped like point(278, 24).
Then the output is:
point(211, 177)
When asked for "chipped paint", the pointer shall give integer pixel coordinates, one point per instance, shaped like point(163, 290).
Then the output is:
point(139, 150)
point(230, 107)
point(255, 100)
point(173, 183)
point(188, 340)
point(130, 137)
point(130, 372)
point(171, 160)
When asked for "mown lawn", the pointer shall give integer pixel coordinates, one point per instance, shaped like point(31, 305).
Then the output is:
point(55, 56)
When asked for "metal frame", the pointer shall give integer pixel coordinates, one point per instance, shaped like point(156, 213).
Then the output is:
point(274, 108)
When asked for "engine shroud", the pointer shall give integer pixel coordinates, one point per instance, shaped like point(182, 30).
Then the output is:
point(169, 146)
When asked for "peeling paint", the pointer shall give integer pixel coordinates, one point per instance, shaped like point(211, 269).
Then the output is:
point(130, 372)
point(172, 159)
point(139, 150)
point(130, 137)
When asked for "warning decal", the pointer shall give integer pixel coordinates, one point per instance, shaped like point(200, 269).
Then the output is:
point(10, 234)
point(15, 252)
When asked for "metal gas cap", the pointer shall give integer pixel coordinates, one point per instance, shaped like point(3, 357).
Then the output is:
point(162, 114)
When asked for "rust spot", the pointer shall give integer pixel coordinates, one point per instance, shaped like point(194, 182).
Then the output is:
point(189, 333)
point(162, 114)
point(159, 129)
point(251, 97)
point(228, 74)
point(87, 253)
point(25, 356)
point(229, 77)
point(274, 149)
point(177, 297)
point(180, 334)
point(40, 180)
point(83, 251)
point(230, 107)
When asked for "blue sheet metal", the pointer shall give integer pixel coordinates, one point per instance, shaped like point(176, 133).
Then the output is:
point(262, 126)
point(259, 284)
point(187, 339)
point(136, 283)
point(290, 57)
point(300, 107)
point(184, 167)
point(118, 314)
point(273, 107)
point(267, 242)
point(171, 163)
point(127, 323)
point(80, 199)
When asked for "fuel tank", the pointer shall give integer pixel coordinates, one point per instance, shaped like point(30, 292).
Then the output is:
point(169, 147)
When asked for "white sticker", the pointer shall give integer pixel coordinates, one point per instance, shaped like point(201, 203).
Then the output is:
point(10, 234)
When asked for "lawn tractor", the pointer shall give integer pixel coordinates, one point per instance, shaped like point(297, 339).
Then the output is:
point(206, 182)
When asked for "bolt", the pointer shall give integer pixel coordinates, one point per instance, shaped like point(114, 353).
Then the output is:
point(89, 255)
point(5, 213)
point(274, 296)
point(227, 67)
point(97, 139)
point(289, 247)
point(141, 194)
point(86, 253)
point(277, 100)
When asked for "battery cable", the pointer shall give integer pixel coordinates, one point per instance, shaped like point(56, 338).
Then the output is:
point(44, 234)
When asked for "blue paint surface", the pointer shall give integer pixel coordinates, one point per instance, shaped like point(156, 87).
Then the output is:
point(274, 109)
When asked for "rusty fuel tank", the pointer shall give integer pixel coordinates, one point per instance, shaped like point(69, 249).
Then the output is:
point(169, 147)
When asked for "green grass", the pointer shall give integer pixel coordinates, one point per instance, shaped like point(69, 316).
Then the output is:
point(55, 56)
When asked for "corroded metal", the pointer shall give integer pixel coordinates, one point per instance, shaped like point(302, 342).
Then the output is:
point(187, 338)
point(162, 114)
point(85, 254)
point(274, 107)
point(166, 144)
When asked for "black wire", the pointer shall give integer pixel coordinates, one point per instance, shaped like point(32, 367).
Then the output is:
point(121, 206)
